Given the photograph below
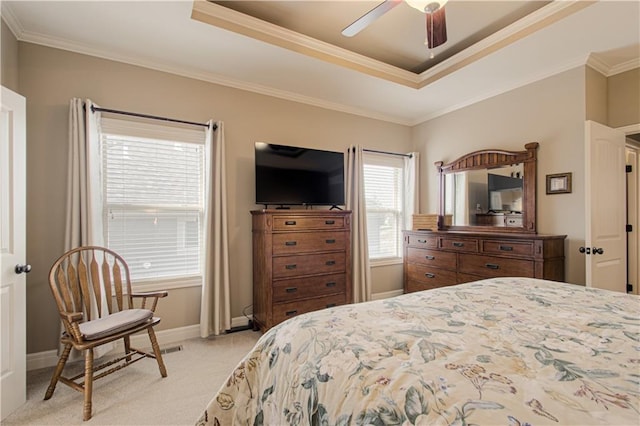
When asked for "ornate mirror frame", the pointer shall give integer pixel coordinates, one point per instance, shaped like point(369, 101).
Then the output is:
point(489, 159)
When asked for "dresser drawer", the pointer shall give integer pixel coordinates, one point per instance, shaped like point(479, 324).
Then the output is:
point(306, 242)
point(459, 244)
point(433, 276)
point(466, 278)
point(282, 223)
point(421, 285)
point(518, 248)
point(284, 311)
point(424, 241)
point(292, 266)
point(491, 266)
point(435, 258)
point(300, 288)
point(514, 220)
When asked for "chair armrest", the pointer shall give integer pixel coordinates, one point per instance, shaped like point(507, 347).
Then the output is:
point(71, 316)
point(71, 321)
point(150, 294)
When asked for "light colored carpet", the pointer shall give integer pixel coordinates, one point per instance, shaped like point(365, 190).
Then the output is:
point(138, 395)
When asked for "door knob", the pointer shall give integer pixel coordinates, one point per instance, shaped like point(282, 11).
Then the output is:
point(598, 250)
point(586, 250)
point(23, 269)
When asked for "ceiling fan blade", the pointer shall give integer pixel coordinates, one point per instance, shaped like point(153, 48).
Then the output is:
point(366, 19)
point(436, 28)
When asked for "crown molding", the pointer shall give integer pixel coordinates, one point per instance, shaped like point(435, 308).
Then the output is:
point(229, 19)
point(598, 65)
point(624, 67)
point(607, 70)
point(240, 23)
point(63, 44)
point(10, 19)
point(555, 10)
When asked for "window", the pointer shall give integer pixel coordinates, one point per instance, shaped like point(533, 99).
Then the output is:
point(384, 178)
point(153, 198)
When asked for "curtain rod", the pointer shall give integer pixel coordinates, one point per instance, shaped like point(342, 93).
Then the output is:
point(386, 152)
point(153, 117)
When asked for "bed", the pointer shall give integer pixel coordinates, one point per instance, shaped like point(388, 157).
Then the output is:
point(510, 351)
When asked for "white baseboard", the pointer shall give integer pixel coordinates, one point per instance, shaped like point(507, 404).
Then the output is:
point(386, 294)
point(165, 338)
point(44, 359)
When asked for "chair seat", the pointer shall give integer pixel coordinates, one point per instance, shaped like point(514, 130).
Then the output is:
point(114, 323)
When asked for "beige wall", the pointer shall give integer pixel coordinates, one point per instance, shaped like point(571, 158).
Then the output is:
point(596, 102)
point(624, 98)
point(9, 58)
point(50, 77)
point(551, 112)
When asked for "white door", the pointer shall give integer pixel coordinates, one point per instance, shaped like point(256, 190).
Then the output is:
point(605, 199)
point(13, 351)
point(633, 214)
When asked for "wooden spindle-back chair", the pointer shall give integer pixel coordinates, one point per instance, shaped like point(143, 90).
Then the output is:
point(92, 288)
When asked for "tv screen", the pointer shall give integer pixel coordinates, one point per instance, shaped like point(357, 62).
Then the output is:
point(288, 175)
point(505, 193)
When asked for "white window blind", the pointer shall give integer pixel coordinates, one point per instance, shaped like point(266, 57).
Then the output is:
point(384, 181)
point(153, 197)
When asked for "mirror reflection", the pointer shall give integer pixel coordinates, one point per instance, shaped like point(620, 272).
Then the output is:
point(485, 197)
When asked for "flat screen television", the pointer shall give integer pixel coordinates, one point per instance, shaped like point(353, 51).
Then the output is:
point(288, 175)
point(505, 193)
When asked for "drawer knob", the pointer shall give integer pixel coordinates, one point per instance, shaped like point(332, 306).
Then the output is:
point(289, 313)
point(331, 284)
point(506, 248)
point(291, 289)
point(430, 257)
point(329, 222)
point(330, 262)
point(290, 222)
point(290, 243)
point(294, 266)
point(429, 275)
point(457, 244)
point(330, 305)
point(422, 241)
point(492, 266)
point(330, 241)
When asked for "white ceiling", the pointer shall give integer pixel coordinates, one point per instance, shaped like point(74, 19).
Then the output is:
point(162, 35)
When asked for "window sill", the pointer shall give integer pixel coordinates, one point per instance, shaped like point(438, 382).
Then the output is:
point(166, 283)
point(385, 262)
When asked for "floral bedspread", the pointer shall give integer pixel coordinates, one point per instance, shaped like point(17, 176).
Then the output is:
point(508, 351)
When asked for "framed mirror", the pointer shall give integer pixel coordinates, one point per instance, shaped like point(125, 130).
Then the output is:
point(489, 190)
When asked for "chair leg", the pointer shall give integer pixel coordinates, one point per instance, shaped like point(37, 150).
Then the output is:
point(88, 383)
point(156, 351)
point(127, 347)
point(58, 371)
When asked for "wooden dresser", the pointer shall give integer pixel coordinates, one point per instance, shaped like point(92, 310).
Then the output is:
point(442, 258)
point(301, 263)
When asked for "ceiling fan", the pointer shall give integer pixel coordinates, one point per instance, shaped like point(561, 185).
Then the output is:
point(434, 16)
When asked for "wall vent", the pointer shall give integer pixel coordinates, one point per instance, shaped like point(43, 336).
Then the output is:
point(171, 349)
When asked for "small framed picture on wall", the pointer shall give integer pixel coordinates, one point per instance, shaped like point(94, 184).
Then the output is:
point(559, 183)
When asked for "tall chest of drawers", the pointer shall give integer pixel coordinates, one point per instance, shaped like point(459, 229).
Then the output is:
point(301, 263)
point(441, 258)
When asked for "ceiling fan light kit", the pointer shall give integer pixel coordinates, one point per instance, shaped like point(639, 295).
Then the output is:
point(428, 6)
